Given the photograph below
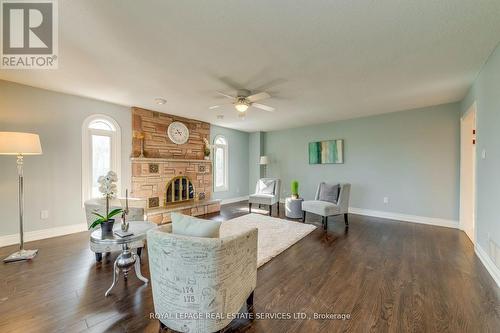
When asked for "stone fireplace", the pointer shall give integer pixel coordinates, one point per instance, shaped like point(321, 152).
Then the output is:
point(171, 178)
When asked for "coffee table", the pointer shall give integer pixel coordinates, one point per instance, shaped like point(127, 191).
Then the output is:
point(127, 258)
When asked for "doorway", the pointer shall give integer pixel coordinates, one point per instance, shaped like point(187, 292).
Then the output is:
point(468, 172)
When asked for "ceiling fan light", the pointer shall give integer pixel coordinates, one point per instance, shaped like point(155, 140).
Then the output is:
point(160, 100)
point(241, 107)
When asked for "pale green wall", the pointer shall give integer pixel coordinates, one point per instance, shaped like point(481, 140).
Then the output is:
point(412, 157)
point(53, 181)
point(256, 150)
point(486, 93)
point(238, 142)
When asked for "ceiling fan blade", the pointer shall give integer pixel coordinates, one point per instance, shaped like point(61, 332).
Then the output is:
point(258, 97)
point(263, 107)
point(225, 95)
point(213, 107)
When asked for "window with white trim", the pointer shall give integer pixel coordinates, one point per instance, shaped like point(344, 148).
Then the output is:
point(220, 164)
point(101, 147)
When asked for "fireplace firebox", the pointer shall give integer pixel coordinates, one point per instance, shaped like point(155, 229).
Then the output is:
point(179, 189)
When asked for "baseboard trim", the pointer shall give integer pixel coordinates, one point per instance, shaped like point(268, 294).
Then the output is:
point(405, 217)
point(233, 200)
point(43, 234)
point(488, 264)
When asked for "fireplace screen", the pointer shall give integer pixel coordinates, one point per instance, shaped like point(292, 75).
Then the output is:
point(179, 189)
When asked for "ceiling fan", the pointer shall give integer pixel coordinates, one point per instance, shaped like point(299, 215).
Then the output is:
point(243, 100)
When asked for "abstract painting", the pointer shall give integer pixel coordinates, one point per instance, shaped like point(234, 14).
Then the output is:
point(326, 152)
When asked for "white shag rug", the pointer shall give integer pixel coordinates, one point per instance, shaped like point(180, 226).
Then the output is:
point(274, 235)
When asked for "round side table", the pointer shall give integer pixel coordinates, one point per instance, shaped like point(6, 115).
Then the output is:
point(293, 208)
point(127, 258)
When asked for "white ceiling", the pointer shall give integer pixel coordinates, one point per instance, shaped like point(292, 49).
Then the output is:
point(321, 60)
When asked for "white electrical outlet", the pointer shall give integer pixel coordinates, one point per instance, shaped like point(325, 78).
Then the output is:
point(44, 214)
point(386, 200)
point(483, 154)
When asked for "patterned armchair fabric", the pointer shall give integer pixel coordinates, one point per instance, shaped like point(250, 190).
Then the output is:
point(198, 281)
point(99, 206)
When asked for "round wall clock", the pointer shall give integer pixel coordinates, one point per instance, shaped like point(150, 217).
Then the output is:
point(178, 133)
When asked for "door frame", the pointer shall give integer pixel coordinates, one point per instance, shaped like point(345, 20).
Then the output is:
point(472, 110)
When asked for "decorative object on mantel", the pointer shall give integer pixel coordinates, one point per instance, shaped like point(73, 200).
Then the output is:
point(107, 186)
point(20, 144)
point(326, 152)
point(294, 187)
point(208, 149)
point(178, 133)
point(140, 136)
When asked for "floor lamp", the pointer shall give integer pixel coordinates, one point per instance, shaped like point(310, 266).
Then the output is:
point(20, 144)
point(264, 161)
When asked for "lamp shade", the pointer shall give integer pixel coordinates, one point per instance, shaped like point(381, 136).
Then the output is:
point(264, 160)
point(16, 143)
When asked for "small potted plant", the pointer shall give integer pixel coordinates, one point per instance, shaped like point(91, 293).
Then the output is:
point(207, 149)
point(107, 186)
point(294, 187)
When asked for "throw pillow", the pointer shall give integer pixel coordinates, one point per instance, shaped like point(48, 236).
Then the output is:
point(329, 192)
point(191, 226)
point(266, 186)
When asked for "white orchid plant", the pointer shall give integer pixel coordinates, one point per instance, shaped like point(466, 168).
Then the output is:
point(107, 186)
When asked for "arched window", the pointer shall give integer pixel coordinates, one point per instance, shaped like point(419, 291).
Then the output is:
point(220, 164)
point(101, 147)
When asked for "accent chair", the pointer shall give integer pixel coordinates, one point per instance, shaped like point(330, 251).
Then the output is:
point(98, 205)
point(331, 199)
point(195, 280)
point(267, 192)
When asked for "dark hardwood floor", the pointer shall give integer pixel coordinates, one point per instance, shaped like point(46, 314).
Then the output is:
point(387, 275)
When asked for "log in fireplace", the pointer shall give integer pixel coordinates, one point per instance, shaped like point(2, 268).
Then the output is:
point(179, 189)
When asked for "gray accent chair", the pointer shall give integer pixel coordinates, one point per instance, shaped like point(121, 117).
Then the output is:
point(329, 208)
point(267, 192)
point(98, 205)
point(198, 276)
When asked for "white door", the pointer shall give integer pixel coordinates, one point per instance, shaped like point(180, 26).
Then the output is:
point(467, 172)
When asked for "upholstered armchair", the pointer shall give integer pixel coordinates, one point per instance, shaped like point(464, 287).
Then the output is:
point(330, 200)
point(136, 213)
point(198, 283)
point(267, 192)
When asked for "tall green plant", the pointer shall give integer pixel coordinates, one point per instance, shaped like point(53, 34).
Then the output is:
point(294, 187)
